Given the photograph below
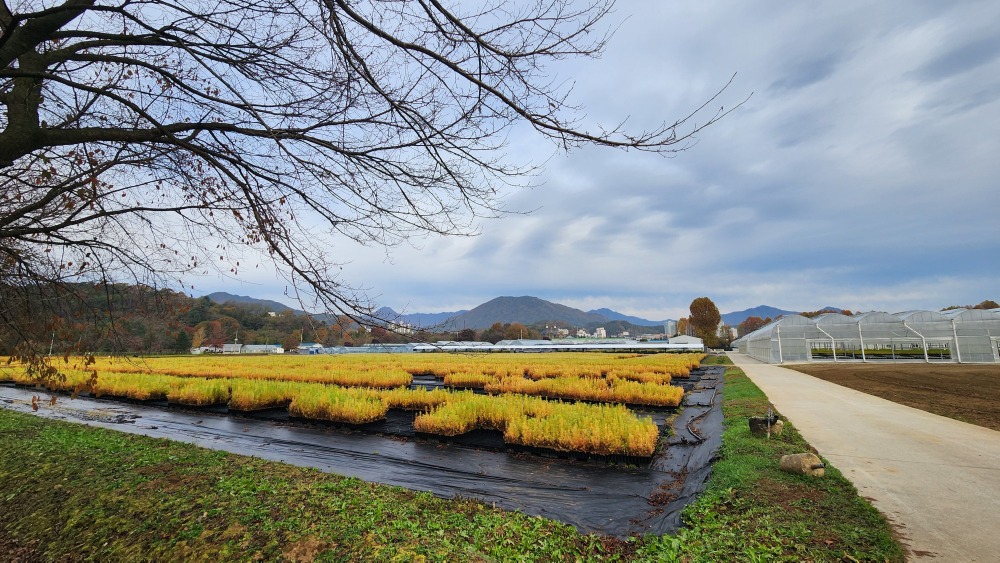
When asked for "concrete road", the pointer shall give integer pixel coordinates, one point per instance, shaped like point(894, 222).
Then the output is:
point(936, 479)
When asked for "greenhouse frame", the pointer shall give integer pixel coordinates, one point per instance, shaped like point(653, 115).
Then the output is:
point(957, 335)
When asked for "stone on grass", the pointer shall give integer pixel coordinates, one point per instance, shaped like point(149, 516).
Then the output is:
point(803, 464)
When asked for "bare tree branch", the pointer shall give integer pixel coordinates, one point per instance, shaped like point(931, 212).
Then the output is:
point(138, 139)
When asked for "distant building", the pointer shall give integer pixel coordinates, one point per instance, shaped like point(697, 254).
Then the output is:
point(670, 328)
point(309, 348)
point(232, 348)
point(580, 333)
point(262, 349)
point(599, 332)
point(693, 341)
point(206, 350)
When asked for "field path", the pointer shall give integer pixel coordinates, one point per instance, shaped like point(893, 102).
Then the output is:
point(936, 479)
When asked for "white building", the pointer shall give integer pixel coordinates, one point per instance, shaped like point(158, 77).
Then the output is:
point(262, 349)
point(693, 341)
point(599, 332)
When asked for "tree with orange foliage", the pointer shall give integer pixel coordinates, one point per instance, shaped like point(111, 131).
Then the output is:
point(704, 320)
point(749, 325)
point(683, 326)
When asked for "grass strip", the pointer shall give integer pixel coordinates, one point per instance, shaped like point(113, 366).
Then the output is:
point(753, 511)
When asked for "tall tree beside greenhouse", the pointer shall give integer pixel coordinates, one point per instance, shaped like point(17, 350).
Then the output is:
point(143, 141)
point(704, 320)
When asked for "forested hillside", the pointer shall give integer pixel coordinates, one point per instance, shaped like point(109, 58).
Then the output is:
point(138, 319)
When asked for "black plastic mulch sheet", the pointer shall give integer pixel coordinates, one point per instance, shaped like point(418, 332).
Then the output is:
point(594, 497)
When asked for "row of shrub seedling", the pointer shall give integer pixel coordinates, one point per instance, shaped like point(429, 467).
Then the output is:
point(638, 385)
point(395, 370)
point(607, 430)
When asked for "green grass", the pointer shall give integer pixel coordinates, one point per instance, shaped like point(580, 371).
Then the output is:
point(73, 492)
point(70, 490)
point(752, 511)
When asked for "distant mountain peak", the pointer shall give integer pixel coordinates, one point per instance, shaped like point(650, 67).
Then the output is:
point(223, 297)
point(616, 316)
point(762, 311)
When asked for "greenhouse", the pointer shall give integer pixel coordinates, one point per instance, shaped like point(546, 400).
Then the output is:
point(958, 335)
point(784, 340)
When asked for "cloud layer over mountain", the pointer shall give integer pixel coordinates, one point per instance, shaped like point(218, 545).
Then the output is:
point(862, 171)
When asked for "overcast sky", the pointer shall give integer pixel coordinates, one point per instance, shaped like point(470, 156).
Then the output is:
point(862, 173)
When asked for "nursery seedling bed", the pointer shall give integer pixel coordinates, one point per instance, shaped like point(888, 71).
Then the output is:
point(397, 422)
point(594, 497)
point(631, 406)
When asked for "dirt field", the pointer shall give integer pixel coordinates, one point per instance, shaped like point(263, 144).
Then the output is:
point(970, 393)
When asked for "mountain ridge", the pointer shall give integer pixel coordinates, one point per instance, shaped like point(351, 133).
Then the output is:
point(525, 309)
point(763, 311)
point(616, 316)
point(222, 297)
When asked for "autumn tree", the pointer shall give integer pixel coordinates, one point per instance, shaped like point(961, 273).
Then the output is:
point(515, 331)
point(814, 314)
point(725, 336)
point(208, 333)
point(144, 141)
point(749, 325)
point(494, 334)
point(704, 320)
point(683, 326)
point(182, 342)
point(292, 340)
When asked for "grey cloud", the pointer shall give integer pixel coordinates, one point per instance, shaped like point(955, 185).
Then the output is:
point(960, 59)
point(807, 73)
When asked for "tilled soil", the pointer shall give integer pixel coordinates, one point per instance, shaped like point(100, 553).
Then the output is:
point(970, 393)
